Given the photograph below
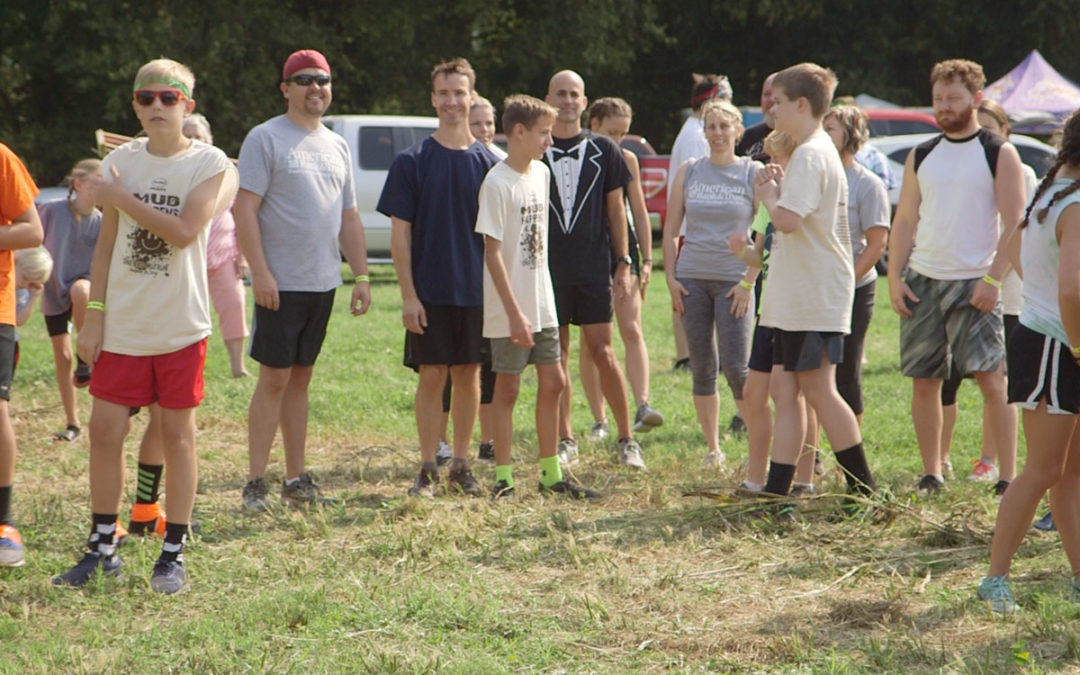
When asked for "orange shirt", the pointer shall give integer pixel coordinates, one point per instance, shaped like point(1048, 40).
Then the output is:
point(17, 192)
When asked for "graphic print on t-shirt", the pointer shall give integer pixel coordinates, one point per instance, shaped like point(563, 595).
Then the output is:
point(308, 162)
point(575, 171)
point(148, 253)
point(532, 235)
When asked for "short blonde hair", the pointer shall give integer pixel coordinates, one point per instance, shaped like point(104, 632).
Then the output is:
point(524, 109)
point(779, 144)
point(855, 124)
point(969, 73)
point(166, 71)
point(34, 264)
point(810, 81)
point(481, 102)
point(726, 110)
point(196, 126)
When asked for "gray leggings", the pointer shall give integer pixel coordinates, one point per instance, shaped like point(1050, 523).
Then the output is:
point(708, 321)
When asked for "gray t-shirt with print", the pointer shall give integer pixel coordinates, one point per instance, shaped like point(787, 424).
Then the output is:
point(305, 180)
point(719, 202)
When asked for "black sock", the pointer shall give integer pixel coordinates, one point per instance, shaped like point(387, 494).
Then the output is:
point(149, 483)
point(173, 546)
point(780, 477)
point(103, 534)
point(856, 470)
point(5, 505)
point(429, 467)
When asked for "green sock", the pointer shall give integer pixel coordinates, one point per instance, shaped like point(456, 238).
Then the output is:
point(550, 471)
point(505, 473)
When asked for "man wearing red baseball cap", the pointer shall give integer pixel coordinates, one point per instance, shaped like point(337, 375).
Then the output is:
point(295, 207)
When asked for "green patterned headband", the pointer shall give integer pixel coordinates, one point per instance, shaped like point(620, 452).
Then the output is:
point(154, 79)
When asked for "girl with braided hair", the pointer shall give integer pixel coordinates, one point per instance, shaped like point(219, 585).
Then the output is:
point(1044, 372)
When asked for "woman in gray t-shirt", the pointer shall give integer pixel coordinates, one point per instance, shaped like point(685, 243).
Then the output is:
point(711, 288)
point(868, 223)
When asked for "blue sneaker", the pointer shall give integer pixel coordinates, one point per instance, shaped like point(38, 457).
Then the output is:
point(11, 548)
point(995, 592)
point(1046, 523)
point(169, 577)
point(85, 570)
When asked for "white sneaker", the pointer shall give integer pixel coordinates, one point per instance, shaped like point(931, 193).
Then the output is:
point(630, 454)
point(713, 460)
point(599, 430)
point(567, 452)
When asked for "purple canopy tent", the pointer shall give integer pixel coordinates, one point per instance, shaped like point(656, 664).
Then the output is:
point(1035, 95)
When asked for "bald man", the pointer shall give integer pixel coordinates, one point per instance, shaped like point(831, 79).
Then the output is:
point(752, 142)
point(587, 228)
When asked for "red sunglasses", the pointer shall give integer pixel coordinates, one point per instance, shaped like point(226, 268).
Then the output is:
point(168, 97)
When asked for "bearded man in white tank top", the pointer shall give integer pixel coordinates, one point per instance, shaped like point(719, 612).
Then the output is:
point(946, 234)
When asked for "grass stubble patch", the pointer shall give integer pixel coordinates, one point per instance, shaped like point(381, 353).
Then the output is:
point(669, 573)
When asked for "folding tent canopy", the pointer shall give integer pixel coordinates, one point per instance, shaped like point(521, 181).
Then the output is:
point(1035, 95)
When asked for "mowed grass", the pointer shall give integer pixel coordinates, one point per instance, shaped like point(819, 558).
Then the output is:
point(649, 580)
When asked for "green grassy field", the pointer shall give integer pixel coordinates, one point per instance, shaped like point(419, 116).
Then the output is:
point(649, 580)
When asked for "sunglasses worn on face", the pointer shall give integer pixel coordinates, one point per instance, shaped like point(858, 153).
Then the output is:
point(168, 97)
point(306, 80)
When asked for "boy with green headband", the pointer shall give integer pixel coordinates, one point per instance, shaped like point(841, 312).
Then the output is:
point(158, 196)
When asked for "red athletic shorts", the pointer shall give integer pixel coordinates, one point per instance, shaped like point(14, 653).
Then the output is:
point(173, 380)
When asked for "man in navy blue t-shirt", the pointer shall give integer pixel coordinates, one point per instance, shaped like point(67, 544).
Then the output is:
point(587, 224)
point(430, 196)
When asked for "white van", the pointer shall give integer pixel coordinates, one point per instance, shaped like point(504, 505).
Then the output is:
point(374, 141)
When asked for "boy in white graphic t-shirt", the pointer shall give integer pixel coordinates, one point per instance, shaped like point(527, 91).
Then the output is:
point(148, 315)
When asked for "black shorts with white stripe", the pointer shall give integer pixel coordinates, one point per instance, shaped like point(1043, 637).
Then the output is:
point(1042, 368)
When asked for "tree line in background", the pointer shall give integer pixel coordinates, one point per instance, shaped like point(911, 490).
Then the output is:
point(66, 66)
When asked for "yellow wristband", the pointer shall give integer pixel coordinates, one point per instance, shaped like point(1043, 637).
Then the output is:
point(94, 304)
point(1075, 351)
point(362, 278)
point(746, 284)
point(992, 281)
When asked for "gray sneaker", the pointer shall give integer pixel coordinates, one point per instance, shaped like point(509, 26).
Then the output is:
point(169, 577)
point(303, 492)
point(647, 418)
point(630, 454)
point(424, 485)
point(568, 452)
point(443, 453)
point(599, 430)
point(255, 495)
point(87, 568)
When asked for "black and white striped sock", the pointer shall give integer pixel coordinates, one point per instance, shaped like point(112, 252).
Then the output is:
point(173, 546)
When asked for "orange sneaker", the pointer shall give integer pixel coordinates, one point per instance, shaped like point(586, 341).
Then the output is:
point(147, 519)
point(11, 548)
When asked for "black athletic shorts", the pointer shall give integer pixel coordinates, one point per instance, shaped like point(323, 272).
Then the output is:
point(57, 324)
point(7, 359)
point(584, 304)
point(802, 350)
point(293, 335)
point(761, 349)
point(1042, 368)
point(454, 336)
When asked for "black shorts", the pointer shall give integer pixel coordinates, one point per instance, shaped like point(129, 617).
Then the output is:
point(1042, 368)
point(454, 336)
point(7, 359)
point(584, 304)
point(802, 350)
point(57, 324)
point(761, 349)
point(293, 335)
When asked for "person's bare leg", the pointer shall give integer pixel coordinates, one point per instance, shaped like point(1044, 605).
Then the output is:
point(628, 315)
point(758, 425)
point(235, 349)
point(63, 358)
point(506, 393)
point(789, 429)
point(152, 445)
point(1065, 500)
point(550, 384)
point(999, 421)
point(804, 468)
point(464, 405)
point(590, 381)
point(926, 416)
point(834, 415)
point(949, 414)
point(294, 417)
point(108, 427)
point(487, 422)
point(264, 415)
point(566, 428)
point(598, 338)
point(182, 474)
point(428, 408)
point(708, 412)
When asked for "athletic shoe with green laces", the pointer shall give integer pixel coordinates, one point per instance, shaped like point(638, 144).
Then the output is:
point(571, 489)
point(169, 577)
point(995, 592)
point(85, 570)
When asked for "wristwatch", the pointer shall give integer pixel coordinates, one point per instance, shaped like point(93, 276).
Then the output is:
point(627, 260)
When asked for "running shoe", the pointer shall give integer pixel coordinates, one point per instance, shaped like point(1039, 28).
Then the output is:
point(501, 490)
point(983, 471)
point(1046, 523)
point(599, 430)
point(713, 460)
point(169, 577)
point(737, 426)
point(995, 592)
point(800, 490)
point(85, 570)
point(443, 453)
point(81, 377)
point(999, 489)
point(630, 454)
point(571, 489)
point(682, 366)
point(11, 548)
point(304, 492)
point(929, 484)
point(462, 479)
point(647, 418)
point(486, 455)
point(568, 452)
point(819, 466)
point(255, 496)
point(424, 485)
